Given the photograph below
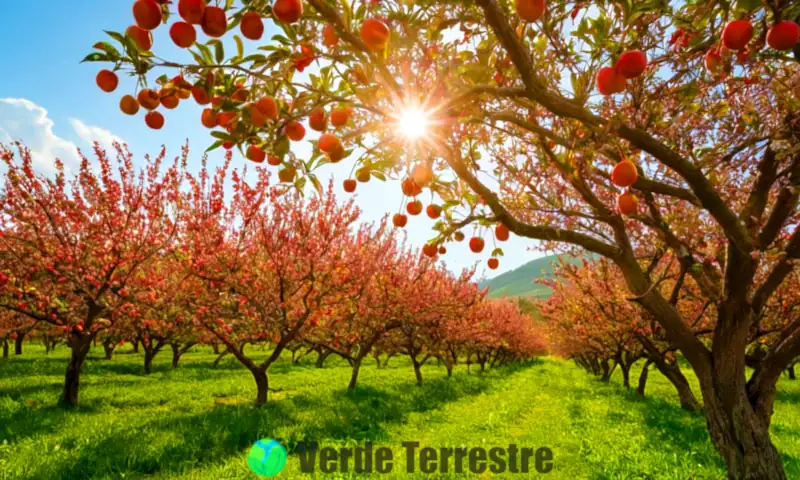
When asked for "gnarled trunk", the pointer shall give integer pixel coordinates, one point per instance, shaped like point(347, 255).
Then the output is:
point(262, 384)
point(323, 354)
point(354, 374)
point(607, 369)
point(150, 352)
point(626, 374)
point(5, 349)
point(109, 347)
point(219, 357)
point(643, 378)
point(18, 343)
point(176, 355)
point(81, 344)
point(678, 380)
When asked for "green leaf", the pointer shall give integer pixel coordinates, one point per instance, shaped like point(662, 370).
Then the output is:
point(497, 252)
point(379, 175)
point(206, 52)
point(239, 46)
point(281, 147)
point(317, 185)
point(748, 5)
point(223, 136)
point(96, 57)
point(219, 52)
point(215, 145)
point(108, 48)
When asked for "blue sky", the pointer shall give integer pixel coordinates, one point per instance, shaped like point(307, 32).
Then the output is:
point(49, 100)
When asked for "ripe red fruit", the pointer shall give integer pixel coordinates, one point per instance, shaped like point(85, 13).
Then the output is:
point(240, 95)
point(329, 142)
point(149, 99)
point(337, 154)
point(192, 10)
point(493, 263)
point(362, 175)
point(442, 250)
point(183, 34)
point(295, 131)
point(631, 64)
point(458, 236)
point(141, 37)
point(287, 174)
point(414, 208)
point(129, 105)
point(737, 34)
point(154, 120)
point(200, 96)
point(624, 174)
point(215, 22)
point(268, 107)
point(227, 145)
point(107, 80)
point(147, 14)
point(399, 220)
point(713, 61)
point(430, 250)
point(170, 101)
point(501, 232)
point(255, 154)
point(287, 11)
point(433, 211)
point(252, 26)
point(273, 160)
point(256, 118)
point(422, 174)
point(208, 118)
point(476, 244)
point(317, 120)
point(340, 116)
point(627, 203)
point(530, 10)
point(375, 34)
point(609, 81)
point(225, 118)
point(350, 185)
point(410, 188)
point(329, 36)
point(783, 35)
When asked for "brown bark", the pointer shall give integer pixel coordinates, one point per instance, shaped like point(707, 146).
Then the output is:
point(643, 378)
point(18, 343)
point(321, 357)
point(262, 384)
point(5, 349)
point(354, 374)
point(81, 344)
point(417, 371)
point(109, 347)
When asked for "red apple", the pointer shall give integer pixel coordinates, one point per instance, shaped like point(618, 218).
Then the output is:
point(783, 35)
point(609, 81)
point(737, 34)
point(631, 64)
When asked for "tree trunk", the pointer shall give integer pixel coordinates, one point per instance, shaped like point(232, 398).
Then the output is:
point(388, 357)
point(81, 344)
point(378, 361)
point(176, 355)
point(418, 371)
point(135, 345)
point(215, 347)
point(219, 357)
point(790, 369)
point(149, 354)
point(5, 349)
point(47, 344)
point(742, 438)
point(643, 378)
point(626, 374)
point(18, 344)
point(262, 384)
point(354, 375)
point(109, 349)
point(449, 367)
point(607, 369)
point(323, 354)
point(685, 395)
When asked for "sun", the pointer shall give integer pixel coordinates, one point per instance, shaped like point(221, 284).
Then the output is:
point(413, 123)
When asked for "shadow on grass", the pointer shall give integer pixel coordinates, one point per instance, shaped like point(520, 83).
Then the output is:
point(226, 430)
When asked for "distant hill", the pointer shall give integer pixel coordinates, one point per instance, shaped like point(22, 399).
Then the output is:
point(521, 282)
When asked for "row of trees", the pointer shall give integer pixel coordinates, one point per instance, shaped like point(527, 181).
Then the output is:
point(528, 106)
point(168, 258)
point(594, 320)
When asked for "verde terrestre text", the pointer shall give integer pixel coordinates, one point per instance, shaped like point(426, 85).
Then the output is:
point(369, 459)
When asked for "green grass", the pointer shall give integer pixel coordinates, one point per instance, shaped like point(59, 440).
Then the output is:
point(198, 422)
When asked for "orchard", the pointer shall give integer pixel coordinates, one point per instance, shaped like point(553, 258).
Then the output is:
point(660, 140)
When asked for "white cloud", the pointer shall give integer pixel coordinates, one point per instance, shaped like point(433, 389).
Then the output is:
point(90, 134)
point(23, 120)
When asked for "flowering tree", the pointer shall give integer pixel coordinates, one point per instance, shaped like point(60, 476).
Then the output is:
point(695, 102)
point(72, 247)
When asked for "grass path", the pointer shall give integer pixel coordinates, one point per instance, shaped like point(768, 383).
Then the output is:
point(197, 422)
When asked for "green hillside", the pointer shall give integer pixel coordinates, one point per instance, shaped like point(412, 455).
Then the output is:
point(521, 282)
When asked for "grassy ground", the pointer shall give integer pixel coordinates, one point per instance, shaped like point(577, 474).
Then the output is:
point(197, 422)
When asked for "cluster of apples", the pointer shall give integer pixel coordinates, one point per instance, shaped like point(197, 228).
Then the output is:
point(737, 34)
point(624, 175)
point(611, 80)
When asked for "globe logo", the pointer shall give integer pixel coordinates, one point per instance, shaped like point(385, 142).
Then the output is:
point(266, 458)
